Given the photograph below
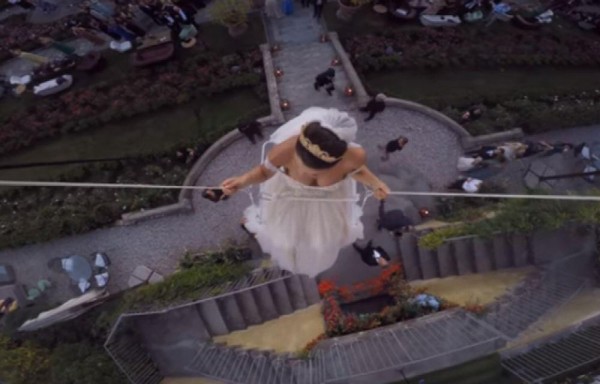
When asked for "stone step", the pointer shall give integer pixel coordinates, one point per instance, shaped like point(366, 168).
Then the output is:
point(410, 258)
point(281, 298)
point(265, 303)
point(213, 319)
point(311, 290)
point(446, 261)
point(502, 252)
point(231, 313)
point(484, 261)
point(464, 255)
point(296, 292)
point(429, 263)
point(249, 308)
point(520, 250)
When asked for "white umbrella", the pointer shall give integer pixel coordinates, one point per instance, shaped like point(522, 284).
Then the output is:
point(67, 311)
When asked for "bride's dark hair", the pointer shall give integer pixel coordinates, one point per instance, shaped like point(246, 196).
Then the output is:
point(325, 146)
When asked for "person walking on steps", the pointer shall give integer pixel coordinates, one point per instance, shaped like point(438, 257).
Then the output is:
point(325, 79)
point(374, 106)
point(317, 8)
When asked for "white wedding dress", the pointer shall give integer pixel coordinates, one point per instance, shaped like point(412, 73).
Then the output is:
point(304, 236)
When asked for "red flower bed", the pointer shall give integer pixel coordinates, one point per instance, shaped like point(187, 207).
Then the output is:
point(146, 90)
point(390, 282)
point(460, 47)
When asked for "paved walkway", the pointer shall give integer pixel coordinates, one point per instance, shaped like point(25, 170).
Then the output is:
point(428, 162)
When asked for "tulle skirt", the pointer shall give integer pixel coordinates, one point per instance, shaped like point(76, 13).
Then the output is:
point(304, 236)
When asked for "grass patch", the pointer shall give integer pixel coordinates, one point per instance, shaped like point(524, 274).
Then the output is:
point(459, 87)
point(147, 134)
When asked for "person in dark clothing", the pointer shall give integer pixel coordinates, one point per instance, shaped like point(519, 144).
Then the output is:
point(170, 22)
point(182, 16)
point(374, 106)
point(535, 147)
point(392, 146)
point(373, 256)
point(318, 8)
point(125, 20)
point(250, 130)
point(325, 79)
point(394, 221)
point(487, 152)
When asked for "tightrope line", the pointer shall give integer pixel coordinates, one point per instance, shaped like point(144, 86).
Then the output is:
point(63, 184)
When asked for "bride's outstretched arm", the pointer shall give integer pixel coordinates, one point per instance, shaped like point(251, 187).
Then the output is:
point(278, 156)
point(364, 176)
point(256, 175)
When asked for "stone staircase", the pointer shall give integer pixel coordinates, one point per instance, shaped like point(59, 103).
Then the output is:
point(301, 58)
point(464, 255)
point(415, 347)
point(172, 337)
point(579, 350)
point(537, 296)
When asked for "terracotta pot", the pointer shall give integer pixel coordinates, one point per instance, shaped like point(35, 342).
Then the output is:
point(237, 30)
point(345, 12)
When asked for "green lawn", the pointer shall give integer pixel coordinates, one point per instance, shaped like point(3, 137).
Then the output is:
point(461, 87)
point(151, 133)
point(486, 370)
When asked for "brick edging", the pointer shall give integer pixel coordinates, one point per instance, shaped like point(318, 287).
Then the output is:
point(184, 205)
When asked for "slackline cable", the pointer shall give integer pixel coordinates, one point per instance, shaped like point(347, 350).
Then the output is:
point(60, 184)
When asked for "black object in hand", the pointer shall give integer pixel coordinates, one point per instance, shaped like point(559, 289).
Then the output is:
point(214, 195)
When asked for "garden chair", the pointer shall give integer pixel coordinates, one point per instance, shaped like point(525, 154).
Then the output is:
point(33, 294)
point(43, 285)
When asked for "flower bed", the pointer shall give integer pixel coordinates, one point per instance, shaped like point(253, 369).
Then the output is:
point(461, 48)
point(390, 282)
point(147, 90)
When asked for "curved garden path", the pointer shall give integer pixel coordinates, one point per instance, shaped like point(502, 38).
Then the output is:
point(427, 162)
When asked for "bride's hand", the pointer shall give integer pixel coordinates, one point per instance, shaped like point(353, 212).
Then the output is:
point(232, 185)
point(381, 190)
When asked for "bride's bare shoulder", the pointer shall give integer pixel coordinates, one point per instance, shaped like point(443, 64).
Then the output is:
point(356, 157)
point(282, 153)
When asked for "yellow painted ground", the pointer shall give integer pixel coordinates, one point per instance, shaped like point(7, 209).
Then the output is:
point(481, 288)
point(584, 305)
point(288, 333)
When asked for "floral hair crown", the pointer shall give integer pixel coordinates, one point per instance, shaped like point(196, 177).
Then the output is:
point(315, 150)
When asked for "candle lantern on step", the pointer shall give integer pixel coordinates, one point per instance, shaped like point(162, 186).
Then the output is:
point(349, 91)
point(278, 73)
point(275, 48)
point(324, 38)
point(285, 104)
point(335, 61)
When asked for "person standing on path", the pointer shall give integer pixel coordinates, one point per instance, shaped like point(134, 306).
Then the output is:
point(325, 79)
point(250, 130)
point(394, 221)
point(374, 106)
point(392, 146)
point(318, 8)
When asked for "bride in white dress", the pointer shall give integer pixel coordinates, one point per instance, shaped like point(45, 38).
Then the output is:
point(314, 159)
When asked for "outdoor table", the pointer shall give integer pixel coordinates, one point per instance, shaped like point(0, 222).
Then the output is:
point(78, 269)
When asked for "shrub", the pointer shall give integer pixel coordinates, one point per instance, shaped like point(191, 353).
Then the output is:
point(230, 12)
